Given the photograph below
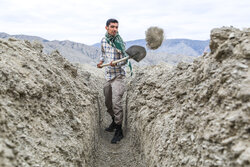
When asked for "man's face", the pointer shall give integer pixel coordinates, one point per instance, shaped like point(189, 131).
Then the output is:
point(112, 28)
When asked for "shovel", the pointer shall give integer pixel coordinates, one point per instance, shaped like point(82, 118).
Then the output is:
point(135, 52)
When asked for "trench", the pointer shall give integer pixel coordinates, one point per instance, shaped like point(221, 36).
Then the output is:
point(191, 115)
point(126, 153)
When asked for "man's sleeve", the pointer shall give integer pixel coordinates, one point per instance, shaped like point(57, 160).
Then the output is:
point(122, 63)
point(103, 46)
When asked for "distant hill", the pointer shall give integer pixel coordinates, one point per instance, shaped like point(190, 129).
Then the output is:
point(74, 52)
point(172, 51)
point(185, 47)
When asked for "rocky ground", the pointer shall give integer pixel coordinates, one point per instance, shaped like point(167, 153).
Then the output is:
point(47, 108)
point(194, 114)
point(52, 112)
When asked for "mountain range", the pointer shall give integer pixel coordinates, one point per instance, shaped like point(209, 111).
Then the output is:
point(172, 51)
point(73, 51)
point(185, 47)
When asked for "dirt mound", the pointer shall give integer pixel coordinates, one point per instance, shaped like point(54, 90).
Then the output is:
point(196, 114)
point(52, 112)
point(47, 108)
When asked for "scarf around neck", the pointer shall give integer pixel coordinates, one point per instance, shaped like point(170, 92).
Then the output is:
point(118, 43)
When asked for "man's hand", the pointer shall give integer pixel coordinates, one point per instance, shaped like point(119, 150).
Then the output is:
point(113, 65)
point(99, 64)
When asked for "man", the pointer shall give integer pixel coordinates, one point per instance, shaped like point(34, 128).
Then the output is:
point(113, 48)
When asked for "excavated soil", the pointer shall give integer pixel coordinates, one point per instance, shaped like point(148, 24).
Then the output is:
point(52, 112)
point(196, 114)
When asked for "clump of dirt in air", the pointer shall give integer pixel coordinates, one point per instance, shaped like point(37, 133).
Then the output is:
point(154, 37)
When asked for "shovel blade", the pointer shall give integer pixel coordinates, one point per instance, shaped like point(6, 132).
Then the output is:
point(136, 52)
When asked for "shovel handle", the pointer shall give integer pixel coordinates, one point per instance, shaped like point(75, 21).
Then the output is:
point(116, 61)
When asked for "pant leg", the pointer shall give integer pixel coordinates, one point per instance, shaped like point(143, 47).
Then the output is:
point(118, 89)
point(107, 90)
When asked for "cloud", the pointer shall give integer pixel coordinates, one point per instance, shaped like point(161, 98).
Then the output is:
point(84, 21)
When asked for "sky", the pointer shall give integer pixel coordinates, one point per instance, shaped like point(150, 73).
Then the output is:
point(84, 21)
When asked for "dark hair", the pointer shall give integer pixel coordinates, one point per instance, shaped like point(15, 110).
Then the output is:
point(111, 21)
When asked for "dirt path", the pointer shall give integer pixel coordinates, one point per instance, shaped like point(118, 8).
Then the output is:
point(123, 154)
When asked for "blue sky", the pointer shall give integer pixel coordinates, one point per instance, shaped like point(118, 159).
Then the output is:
point(84, 21)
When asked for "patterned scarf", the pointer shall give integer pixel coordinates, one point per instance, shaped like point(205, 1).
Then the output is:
point(118, 43)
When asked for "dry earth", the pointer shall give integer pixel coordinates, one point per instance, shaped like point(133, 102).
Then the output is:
point(194, 114)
